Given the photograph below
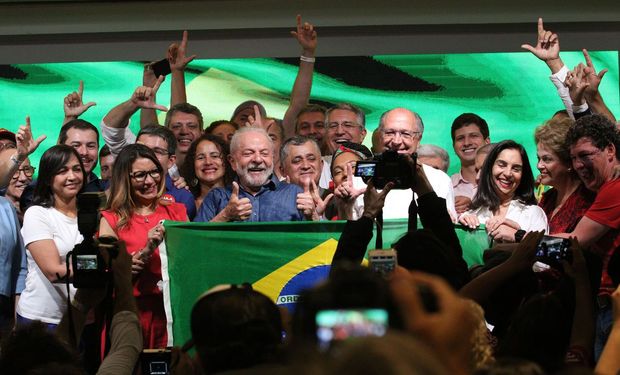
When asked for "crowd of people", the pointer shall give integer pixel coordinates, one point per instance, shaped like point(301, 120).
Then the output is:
point(515, 313)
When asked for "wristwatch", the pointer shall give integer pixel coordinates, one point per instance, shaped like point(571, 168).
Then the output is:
point(519, 234)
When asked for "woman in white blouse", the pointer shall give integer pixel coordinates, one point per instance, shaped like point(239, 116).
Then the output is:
point(504, 201)
point(50, 231)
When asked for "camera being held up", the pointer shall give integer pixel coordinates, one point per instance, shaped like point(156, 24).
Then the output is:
point(90, 269)
point(390, 166)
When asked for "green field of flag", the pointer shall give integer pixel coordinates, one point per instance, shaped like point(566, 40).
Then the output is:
point(278, 259)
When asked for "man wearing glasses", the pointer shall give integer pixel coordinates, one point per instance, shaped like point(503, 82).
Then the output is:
point(595, 154)
point(163, 143)
point(22, 176)
point(345, 123)
point(401, 131)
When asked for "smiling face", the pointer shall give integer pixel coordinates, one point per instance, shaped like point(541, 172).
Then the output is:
point(312, 125)
point(160, 147)
point(67, 183)
point(186, 128)
point(85, 142)
point(303, 164)
point(551, 168)
point(506, 172)
point(252, 159)
point(342, 126)
point(339, 167)
point(593, 165)
point(19, 181)
point(400, 131)
point(208, 164)
point(467, 140)
point(145, 192)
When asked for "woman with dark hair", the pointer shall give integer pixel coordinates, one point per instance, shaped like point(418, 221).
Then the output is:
point(50, 231)
point(206, 166)
point(505, 201)
point(133, 214)
point(568, 200)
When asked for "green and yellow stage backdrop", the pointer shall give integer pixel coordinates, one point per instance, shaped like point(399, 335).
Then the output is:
point(511, 91)
point(278, 259)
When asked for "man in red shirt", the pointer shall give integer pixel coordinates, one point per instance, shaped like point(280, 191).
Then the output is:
point(595, 153)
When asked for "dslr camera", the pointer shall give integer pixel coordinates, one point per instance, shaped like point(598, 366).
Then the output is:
point(389, 166)
point(90, 269)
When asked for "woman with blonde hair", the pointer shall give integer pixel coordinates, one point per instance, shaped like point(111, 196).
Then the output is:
point(134, 214)
point(569, 199)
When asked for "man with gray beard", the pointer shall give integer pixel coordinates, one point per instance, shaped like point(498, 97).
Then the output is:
point(256, 194)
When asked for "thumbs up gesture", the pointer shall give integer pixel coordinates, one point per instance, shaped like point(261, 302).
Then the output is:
point(237, 209)
point(305, 203)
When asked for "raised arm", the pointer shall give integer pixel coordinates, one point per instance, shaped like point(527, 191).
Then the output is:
point(148, 116)
point(307, 38)
point(591, 93)
point(74, 107)
point(25, 145)
point(522, 259)
point(143, 97)
point(547, 49)
point(178, 62)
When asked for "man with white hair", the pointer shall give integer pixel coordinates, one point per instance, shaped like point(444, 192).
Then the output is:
point(257, 194)
point(401, 131)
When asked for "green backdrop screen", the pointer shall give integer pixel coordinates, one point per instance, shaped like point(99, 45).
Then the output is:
point(512, 91)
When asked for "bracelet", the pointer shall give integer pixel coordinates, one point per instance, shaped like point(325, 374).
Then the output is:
point(307, 59)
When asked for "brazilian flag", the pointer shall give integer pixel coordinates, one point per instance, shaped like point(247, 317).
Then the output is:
point(279, 259)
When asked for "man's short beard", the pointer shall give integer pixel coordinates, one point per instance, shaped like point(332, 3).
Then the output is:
point(256, 182)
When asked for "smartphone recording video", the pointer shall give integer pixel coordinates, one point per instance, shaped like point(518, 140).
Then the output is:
point(552, 250)
point(340, 325)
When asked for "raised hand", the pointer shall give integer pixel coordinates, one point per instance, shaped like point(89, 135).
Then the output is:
point(148, 76)
point(25, 143)
point(577, 84)
point(144, 97)
point(373, 200)
point(547, 45)
point(177, 55)
point(73, 104)
point(306, 36)
point(305, 203)
point(449, 330)
point(347, 191)
point(256, 120)
point(320, 204)
point(592, 78)
point(237, 209)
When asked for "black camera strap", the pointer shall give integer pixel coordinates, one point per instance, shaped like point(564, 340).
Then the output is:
point(379, 237)
point(69, 312)
point(412, 223)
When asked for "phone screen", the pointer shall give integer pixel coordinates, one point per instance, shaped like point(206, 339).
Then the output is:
point(340, 325)
point(365, 169)
point(161, 68)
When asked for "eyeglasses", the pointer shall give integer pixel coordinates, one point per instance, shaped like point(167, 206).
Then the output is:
point(7, 146)
point(140, 176)
point(404, 134)
point(347, 125)
point(160, 151)
point(212, 155)
point(586, 157)
point(28, 172)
